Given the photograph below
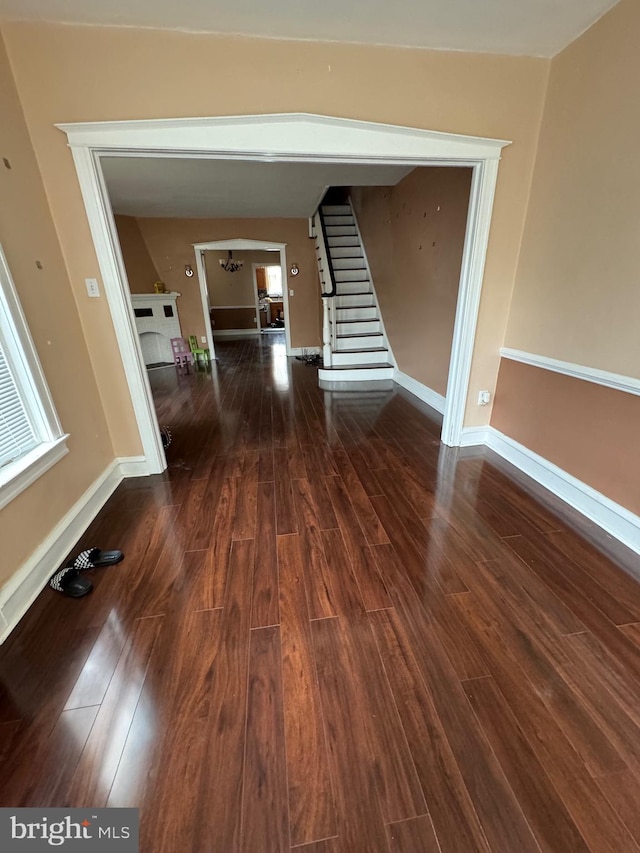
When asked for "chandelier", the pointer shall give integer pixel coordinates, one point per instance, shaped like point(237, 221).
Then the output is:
point(229, 265)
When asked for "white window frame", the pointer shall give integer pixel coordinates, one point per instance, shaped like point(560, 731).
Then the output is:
point(34, 392)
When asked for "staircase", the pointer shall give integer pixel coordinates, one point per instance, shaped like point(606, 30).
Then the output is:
point(355, 349)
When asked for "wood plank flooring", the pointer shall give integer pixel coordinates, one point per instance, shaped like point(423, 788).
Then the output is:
point(331, 634)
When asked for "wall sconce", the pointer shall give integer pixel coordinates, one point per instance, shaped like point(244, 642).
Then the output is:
point(188, 271)
point(294, 269)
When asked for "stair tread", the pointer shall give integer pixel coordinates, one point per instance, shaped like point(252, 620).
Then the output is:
point(362, 334)
point(356, 351)
point(354, 307)
point(373, 366)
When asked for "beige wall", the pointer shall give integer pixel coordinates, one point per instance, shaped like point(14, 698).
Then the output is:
point(27, 235)
point(170, 243)
point(67, 73)
point(141, 271)
point(233, 319)
point(586, 429)
point(414, 235)
point(236, 288)
point(577, 296)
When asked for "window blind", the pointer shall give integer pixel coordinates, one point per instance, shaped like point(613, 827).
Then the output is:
point(16, 433)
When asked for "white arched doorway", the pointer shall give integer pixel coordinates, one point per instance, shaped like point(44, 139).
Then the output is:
point(238, 245)
point(271, 138)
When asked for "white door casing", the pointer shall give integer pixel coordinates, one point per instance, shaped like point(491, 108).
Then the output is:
point(281, 137)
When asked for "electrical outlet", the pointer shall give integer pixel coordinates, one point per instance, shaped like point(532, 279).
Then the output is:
point(484, 397)
point(291, 293)
point(203, 339)
point(92, 286)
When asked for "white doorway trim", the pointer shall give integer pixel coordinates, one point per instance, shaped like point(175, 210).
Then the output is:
point(204, 296)
point(254, 277)
point(295, 137)
point(285, 296)
point(238, 245)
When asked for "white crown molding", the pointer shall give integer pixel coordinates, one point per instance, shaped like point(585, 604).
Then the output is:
point(615, 519)
point(422, 392)
point(617, 381)
point(287, 135)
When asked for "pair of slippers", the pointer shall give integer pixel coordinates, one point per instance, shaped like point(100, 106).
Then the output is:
point(70, 582)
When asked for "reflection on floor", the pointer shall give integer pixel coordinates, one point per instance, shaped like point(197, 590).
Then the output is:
point(330, 633)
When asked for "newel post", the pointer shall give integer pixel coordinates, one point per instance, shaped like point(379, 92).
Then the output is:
point(326, 333)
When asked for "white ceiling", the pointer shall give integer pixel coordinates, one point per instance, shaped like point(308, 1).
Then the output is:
point(528, 27)
point(156, 186)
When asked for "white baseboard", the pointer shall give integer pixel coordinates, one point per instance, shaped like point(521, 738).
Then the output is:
point(305, 351)
point(235, 333)
point(472, 436)
point(615, 519)
point(133, 466)
point(24, 586)
point(427, 395)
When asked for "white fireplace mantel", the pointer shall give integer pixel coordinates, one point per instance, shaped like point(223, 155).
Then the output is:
point(156, 329)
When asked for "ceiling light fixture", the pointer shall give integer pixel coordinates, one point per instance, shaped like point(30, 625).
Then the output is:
point(229, 265)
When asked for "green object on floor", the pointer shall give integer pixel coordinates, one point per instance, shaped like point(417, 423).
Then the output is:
point(197, 351)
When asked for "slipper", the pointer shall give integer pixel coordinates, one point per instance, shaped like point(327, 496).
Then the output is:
point(94, 558)
point(69, 582)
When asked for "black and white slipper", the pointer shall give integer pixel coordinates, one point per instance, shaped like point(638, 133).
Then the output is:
point(69, 582)
point(94, 558)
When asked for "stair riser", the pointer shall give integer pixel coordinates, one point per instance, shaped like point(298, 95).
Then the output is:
point(354, 329)
point(336, 209)
point(340, 230)
point(356, 342)
point(340, 264)
point(346, 252)
point(350, 275)
point(349, 240)
point(356, 375)
point(344, 315)
point(333, 220)
point(358, 299)
point(360, 357)
point(345, 288)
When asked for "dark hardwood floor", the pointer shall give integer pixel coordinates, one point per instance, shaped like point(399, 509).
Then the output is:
point(331, 633)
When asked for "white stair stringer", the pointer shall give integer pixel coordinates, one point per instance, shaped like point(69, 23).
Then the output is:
point(360, 353)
